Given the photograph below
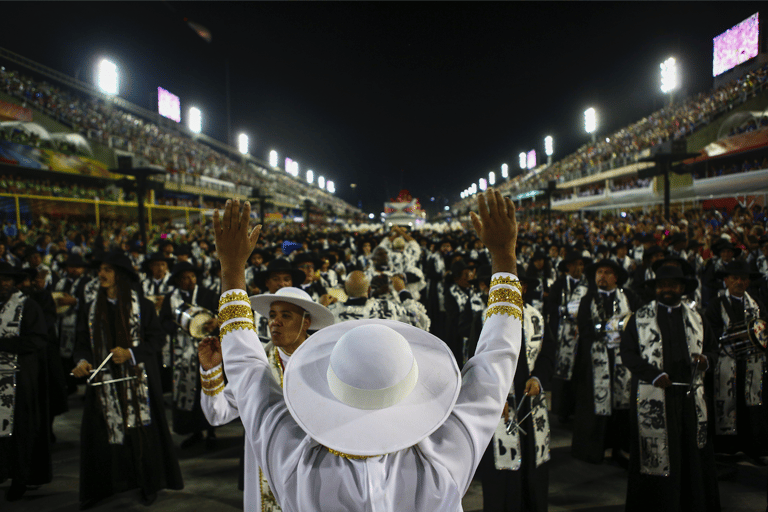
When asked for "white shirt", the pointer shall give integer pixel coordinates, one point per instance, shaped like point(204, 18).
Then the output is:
point(431, 476)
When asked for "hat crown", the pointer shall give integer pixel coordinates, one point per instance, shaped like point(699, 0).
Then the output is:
point(372, 357)
point(292, 293)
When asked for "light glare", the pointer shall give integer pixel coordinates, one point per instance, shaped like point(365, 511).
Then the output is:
point(321, 182)
point(107, 77)
point(523, 160)
point(668, 75)
point(491, 178)
point(548, 145)
point(590, 120)
point(504, 171)
point(310, 177)
point(242, 143)
point(273, 158)
point(195, 121)
point(483, 184)
point(330, 187)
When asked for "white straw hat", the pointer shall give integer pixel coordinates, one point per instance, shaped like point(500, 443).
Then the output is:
point(370, 387)
point(320, 315)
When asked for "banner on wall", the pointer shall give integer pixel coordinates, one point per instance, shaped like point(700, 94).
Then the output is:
point(11, 112)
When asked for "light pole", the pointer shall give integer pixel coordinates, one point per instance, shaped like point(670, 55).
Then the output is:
point(590, 122)
point(504, 171)
point(549, 149)
point(669, 81)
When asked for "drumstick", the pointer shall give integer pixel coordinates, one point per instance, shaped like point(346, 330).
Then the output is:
point(693, 377)
point(97, 370)
point(113, 380)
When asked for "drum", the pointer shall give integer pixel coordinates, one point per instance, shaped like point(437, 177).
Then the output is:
point(745, 340)
point(192, 319)
point(60, 310)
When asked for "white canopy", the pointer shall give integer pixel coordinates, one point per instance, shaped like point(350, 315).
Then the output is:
point(73, 138)
point(31, 128)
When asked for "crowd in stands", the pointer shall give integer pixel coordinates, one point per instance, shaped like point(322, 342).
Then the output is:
point(19, 136)
point(750, 126)
point(748, 164)
point(102, 122)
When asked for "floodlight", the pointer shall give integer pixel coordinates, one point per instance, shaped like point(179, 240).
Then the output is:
point(195, 120)
point(273, 158)
point(668, 75)
point(548, 145)
point(321, 182)
point(447, 208)
point(242, 143)
point(531, 159)
point(491, 178)
point(310, 177)
point(330, 187)
point(107, 77)
point(523, 160)
point(504, 171)
point(483, 184)
point(590, 120)
point(370, 215)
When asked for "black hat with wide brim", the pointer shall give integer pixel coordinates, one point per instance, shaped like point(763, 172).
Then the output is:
point(621, 274)
point(155, 256)
point(688, 269)
point(674, 272)
point(528, 279)
point(737, 268)
point(572, 256)
point(6, 269)
point(279, 265)
point(184, 266)
point(120, 261)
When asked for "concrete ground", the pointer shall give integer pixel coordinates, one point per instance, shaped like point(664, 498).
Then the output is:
point(210, 478)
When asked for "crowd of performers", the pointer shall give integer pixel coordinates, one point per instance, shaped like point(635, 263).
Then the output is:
point(628, 329)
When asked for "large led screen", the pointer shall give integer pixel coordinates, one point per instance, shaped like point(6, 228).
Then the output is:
point(168, 105)
point(736, 45)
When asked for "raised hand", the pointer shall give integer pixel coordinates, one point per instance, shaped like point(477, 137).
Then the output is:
point(496, 225)
point(234, 242)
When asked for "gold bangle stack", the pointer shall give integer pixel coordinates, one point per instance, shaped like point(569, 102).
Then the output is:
point(235, 311)
point(505, 295)
point(504, 300)
point(213, 383)
point(508, 281)
point(233, 297)
point(234, 326)
point(504, 310)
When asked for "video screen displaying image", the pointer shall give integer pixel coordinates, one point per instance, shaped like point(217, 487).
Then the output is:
point(736, 45)
point(168, 105)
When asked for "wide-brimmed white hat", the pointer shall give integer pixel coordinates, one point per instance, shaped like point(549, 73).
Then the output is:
point(370, 387)
point(320, 315)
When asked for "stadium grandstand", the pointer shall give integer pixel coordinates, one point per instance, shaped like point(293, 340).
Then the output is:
point(727, 125)
point(61, 140)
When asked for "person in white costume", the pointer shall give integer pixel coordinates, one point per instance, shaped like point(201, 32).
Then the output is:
point(291, 313)
point(373, 415)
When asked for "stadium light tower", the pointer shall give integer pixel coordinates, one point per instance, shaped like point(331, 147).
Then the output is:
point(491, 178)
point(669, 77)
point(321, 182)
point(330, 187)
point(107, 77)
point(195, 120)
point(482, 184)
point(310, 176)
point(549, 148)
point(504, 171)
point(242, 143)
point(273, 158)
point(590, 122)
point(523, 160)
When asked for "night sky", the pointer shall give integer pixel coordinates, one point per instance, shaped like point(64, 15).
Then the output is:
point(426, 96)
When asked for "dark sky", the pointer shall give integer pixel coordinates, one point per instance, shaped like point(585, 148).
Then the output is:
point(428, 96)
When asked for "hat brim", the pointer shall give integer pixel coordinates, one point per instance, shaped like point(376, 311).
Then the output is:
point(321, 317)
point(563, 265)
point(371, 432)
point(753, 276)
point(297, 277)
point(689, 283)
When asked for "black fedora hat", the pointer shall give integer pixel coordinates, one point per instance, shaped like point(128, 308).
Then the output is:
point(722, 245)
point(306, 257)
point(674, 272)
point(6, 269)
point(737, 268)
point(571, 256)
point(621, 274)
point(75, 260)
point(528, 279)
point(155, 256)
point(652, 251)
point(120, 261)
point(279, 265)
point(676, 238)
point(688, 269)
point(184, 266)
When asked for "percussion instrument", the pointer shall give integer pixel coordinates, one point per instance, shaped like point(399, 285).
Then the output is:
point(192, 319)
point(60, 310)
point(571, 311)
point(744, 340)
point(613, 325)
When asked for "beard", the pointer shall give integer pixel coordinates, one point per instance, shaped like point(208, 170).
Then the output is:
point(669, 298)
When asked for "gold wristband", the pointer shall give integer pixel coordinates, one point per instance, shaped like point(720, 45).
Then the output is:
point(235, 311)
point(507, 280)
point(504, 310)
point(213, 392)
point(211, 376)
point(235, 326)
point(505, 295)
point(232, 297)
point(212, 384)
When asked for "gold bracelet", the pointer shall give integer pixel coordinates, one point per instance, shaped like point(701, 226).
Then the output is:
point(348, 456)
point(506, 295)
point(507, 280)
point(235, 311)
point(213, 392)
point(504, 310)
point(211, 376)
point(235, 326)
point(232, 297)
point(212, 384)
